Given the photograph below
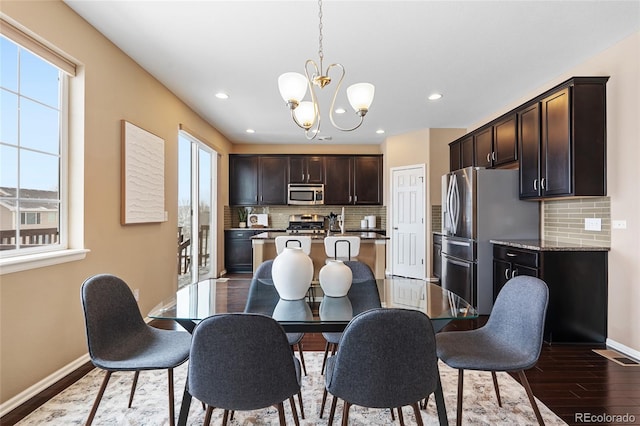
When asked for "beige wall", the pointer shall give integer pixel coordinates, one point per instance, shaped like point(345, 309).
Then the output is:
point(41, 323)
point(622, 63)
point(428, 147)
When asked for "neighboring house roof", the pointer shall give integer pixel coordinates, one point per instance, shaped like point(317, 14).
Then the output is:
point(36, 199)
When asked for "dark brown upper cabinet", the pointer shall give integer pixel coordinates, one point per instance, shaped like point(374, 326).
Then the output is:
point(258, 180)
point(563, 152)
point(483, 144)
point(353, 180)
point(306, 169)
point(455, 155)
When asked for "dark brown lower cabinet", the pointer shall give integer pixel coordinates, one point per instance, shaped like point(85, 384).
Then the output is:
point(577, 281)
point(238, 253)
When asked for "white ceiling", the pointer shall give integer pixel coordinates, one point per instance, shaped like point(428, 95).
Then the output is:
point(481, 55)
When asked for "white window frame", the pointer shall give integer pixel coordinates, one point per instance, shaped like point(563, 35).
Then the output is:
point(35, 257)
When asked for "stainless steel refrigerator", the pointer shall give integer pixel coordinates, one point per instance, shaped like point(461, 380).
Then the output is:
point(479, 205)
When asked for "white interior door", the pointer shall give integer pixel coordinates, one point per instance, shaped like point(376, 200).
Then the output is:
point(408, 221)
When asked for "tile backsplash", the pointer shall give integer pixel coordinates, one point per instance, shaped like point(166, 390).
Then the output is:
point(563, 220)
point(279, 215)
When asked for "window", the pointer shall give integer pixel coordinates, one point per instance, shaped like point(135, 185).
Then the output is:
point(34, 82)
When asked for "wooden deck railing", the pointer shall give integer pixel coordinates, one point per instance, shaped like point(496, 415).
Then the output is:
point(28, 238)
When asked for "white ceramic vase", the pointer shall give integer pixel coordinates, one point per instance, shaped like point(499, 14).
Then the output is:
point(335, 278)
point(292, 272)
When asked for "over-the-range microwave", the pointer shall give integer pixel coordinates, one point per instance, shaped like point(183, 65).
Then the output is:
point(306, 194)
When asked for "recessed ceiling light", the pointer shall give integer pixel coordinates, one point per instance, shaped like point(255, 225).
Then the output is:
point(434, 96)
point(250, 131)
point(340, 111)
point(379, 131)
point(222, 95)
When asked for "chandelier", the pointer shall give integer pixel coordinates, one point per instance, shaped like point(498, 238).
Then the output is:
point(306, 114)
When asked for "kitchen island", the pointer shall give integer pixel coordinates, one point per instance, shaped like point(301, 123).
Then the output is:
point(372, 249)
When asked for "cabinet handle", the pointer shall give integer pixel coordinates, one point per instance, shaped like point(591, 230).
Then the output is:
point(535, 184)
point(488, 157)
point(542, 183)
point(349, 198)
point(303, 176)
point(307, 177)
point(511, 254)
point(506, 274)
point(493, 156)
point(514, 273)
point(355, 198)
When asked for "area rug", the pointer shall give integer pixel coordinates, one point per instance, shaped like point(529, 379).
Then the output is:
point(72, 406)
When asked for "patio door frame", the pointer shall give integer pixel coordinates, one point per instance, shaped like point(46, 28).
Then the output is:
point(196, 148)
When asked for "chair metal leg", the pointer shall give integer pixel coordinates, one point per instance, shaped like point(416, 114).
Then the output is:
point(207, 416)
point(296, 420)
point(304, 367)
point(301, 405)
point(525, 383)
point(225, 417)
point(103, 386)
point(332, 412)
point(393, 415)
point(133, 387)
point(326, 355)
point(324, 401)
point(283, 422)
point(440, 404)
point(172, 414)
point(459, 409)
point(495, 386)
point(416, 412)
point(345, 413)
point(400, 417)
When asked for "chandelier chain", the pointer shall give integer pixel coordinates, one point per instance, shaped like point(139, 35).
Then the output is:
point(320, 53)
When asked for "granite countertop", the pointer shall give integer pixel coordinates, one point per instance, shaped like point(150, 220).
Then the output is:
point(545, 245)
point(271, 235)
point(256, 229)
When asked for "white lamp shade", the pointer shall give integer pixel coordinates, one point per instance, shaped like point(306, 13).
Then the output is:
point(361, 95)
point(305, 114)
point(293, 86)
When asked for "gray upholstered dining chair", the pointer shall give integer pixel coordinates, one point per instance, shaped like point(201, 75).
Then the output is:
point(120, 340)
point(511, 339)
point(241, 362)
point(295, 339)
point(360, 272)
point(386, 359)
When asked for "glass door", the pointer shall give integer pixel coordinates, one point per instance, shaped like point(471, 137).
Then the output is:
point(196, 210)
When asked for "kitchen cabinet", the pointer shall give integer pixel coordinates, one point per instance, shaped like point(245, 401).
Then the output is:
point(497, 145)
point(238, 253)
point(577, 282)
point(272, 180)
point(258, 180)
point(455, 155)
point(353, 180)
point(466, 152)
point(243, 180)
point(306, 169)
point(562, 141)
point(436, 256)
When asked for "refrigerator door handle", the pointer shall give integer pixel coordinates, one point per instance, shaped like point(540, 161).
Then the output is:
point(449, 217)
point(455, 213)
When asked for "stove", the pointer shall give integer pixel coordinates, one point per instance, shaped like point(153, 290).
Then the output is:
point(306, 224)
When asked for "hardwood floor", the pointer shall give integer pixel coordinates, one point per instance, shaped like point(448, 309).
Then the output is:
point(570, 380)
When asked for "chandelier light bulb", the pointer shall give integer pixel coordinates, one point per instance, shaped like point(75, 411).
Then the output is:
point(293, 87)
point(360, 96)
point(305, 114)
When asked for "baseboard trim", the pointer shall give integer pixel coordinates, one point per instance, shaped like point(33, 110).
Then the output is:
point(43, 384)
point(623, 349)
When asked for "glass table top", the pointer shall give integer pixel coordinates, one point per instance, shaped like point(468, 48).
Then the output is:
point(314, 313)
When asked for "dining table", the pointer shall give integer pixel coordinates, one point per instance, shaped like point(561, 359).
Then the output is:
point(315, 313)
